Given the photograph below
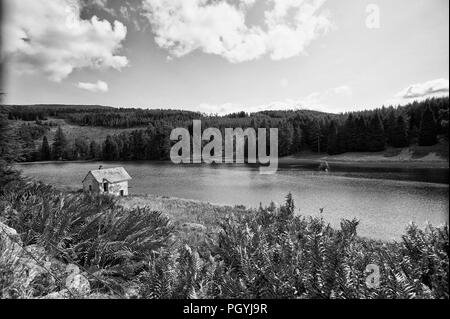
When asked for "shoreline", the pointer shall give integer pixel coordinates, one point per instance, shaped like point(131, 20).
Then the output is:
point(293, 161)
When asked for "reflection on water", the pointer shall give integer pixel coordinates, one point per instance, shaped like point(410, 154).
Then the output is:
point(384, 206)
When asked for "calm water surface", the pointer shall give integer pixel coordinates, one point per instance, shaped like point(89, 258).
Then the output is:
point(384, 202)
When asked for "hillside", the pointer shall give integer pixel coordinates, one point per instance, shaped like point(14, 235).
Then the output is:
point(417, 131)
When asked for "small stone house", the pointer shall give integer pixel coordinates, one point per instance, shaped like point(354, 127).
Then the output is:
point(113, 181)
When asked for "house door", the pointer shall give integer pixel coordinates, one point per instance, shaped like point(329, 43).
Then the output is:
point(122, 193)
point(105, 187)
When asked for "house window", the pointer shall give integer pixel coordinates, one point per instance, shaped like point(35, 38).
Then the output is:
point(105, 187)
point(90, 188)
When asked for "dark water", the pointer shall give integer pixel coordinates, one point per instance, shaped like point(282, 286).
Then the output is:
point(384, 202)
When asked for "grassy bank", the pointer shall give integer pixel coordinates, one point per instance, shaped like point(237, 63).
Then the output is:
point(436, 156)
point(193, 220)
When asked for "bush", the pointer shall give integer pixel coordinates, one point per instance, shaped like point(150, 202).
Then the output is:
point(90, 231)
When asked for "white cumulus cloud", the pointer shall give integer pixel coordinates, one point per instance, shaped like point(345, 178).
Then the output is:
point(438, 86)
point(49, 37)
point(420, 92)
point(98, 87)
point(220, 27)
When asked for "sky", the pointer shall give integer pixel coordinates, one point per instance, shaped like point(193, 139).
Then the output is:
point(224, 56)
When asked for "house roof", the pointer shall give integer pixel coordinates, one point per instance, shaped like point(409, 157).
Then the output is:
point(112, 175)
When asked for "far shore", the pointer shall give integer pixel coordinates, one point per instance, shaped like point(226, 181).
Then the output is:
point(355, 160)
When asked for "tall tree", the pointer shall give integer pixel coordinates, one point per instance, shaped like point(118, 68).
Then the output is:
point(315, 136)
point(80, 148)
point(376, 138)
point(389, 123)
point(333, 140)
point(443, 113)
point(400, 136)
point(9, 151)
point(46, 153)
point(428, 131)
point(10, 146)
point(110, 149)
point(350, 133)
point(296, 146)
point(94, 150)
point(285, 138)
point(362, 136)
point(59, 145)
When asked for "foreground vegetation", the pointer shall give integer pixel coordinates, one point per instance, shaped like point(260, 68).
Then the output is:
point(131, 252)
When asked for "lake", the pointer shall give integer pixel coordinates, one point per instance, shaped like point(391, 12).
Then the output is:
point(384, 202)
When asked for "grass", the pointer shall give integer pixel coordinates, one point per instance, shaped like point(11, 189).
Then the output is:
point(193, 220)
point(90, 133)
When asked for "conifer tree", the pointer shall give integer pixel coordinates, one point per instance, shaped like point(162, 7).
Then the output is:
point(59, 145)
point(45, 150)
point(296, 140)
point(376, 138)
point(350, 135)
point(333, 141)
point(428, 131)
point(389, 124)
point(285, 138)
point(400, 136)
point(110, 149)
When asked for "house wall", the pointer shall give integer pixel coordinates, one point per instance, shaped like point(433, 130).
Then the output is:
point(115, 188)
point(91, 181)
point(97, 188)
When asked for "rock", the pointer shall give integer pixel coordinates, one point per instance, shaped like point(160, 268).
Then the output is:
point(72, 269)
point(36, 252)
point(33, 262)
point(26, 264)
point(78, 284)
point(10, 245)
point(132, 292)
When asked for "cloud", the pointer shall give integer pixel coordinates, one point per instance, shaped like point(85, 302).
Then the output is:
point(426, 89)
point(314, 101)
point(49, 37)
point(420, 92)
point(99, 87)
point(220, 28)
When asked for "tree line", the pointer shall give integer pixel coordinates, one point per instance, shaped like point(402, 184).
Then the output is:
point(367, 131)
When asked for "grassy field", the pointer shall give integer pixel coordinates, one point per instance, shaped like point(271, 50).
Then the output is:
point(414, 156)
point(90, 133)
point(193, 220)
